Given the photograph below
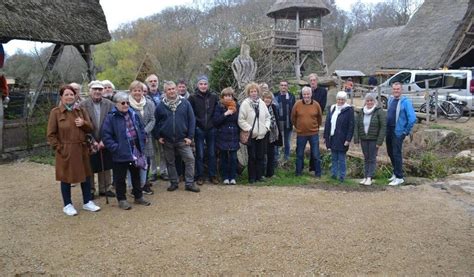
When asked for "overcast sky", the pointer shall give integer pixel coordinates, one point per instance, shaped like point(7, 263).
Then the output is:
point(118, 12)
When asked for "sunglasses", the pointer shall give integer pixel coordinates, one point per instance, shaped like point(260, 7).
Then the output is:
point(125, 102)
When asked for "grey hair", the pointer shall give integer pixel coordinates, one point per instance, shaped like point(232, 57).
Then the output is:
point(107, 82)
point(371, 96)
point(305, 89)
point(168, 84)
point(120, 96)
point(313, 75)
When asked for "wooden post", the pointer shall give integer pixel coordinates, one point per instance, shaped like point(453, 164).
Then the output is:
point(427, 101)
point(297, 63)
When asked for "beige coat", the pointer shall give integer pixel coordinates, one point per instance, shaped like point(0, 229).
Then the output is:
point(69, 142)
point(247, 116)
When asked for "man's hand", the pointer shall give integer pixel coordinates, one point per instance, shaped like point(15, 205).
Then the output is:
point(346, 143)
point(187, 141)
point(161, 140)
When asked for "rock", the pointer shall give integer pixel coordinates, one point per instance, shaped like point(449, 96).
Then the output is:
point(466, 154)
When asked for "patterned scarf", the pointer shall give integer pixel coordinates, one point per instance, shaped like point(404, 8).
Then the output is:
point(273, 125)
point(172, 103)
point(131, 132)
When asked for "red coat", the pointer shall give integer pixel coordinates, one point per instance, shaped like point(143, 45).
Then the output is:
point(69, 142)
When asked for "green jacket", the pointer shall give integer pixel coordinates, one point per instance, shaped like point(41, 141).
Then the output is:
point(377, 127)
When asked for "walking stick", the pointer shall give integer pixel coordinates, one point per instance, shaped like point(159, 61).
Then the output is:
point(102, 164)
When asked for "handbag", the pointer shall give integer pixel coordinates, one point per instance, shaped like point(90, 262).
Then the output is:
point(245, 135)
point(139, 160)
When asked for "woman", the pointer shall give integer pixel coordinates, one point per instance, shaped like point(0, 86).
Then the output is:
point(124, 135)
point(254, 118)
point(370, 127)
point(338, 132)
point(274, 137)
point(67, 129)
point(227, 133)
point(145, 108)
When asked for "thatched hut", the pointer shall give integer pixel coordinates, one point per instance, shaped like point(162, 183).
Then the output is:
point(80, 23)
point(439, 34)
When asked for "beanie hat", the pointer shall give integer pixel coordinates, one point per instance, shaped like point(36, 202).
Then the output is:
point(203, 78)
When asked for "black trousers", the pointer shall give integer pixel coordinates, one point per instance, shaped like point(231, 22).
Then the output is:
point(120, 174)
point(256, 151)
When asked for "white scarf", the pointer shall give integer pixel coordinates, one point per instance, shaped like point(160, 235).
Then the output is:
point(337, 110)
point(138, 106)
point(367, 117)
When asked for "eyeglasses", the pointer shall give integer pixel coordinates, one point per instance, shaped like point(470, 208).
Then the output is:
point(125, 102)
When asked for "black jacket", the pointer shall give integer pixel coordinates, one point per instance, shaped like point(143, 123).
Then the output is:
point(203, 105)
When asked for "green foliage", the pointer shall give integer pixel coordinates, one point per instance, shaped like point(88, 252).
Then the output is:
point(221, 74)
point(44, 157)
point(118, 61)
point(433, 167)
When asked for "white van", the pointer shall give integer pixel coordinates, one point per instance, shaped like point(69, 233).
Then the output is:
point(457, 83)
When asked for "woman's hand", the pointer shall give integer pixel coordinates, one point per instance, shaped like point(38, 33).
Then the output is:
point(187, 141)
point(346, 143)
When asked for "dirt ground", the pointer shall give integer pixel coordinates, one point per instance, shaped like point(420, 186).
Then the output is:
point(234, 230)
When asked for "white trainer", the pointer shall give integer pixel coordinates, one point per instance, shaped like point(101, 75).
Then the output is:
point(392, 178)
point(368, 182)
point(232, 182)
point(396, 182)
point(363, 181)
point(91, 206)
point(70, 210)
point(226, 181)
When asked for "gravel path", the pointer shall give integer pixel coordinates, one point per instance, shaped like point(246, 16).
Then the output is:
point(236, 230)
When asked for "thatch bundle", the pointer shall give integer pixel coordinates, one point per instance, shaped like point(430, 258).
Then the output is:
point(286, 9)
point(57, 21)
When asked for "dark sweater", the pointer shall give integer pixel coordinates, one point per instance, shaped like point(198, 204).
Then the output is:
point(203, 106)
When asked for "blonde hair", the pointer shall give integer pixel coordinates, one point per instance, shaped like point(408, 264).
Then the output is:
point(251, 86)
point(267, 94)
point(135, 85)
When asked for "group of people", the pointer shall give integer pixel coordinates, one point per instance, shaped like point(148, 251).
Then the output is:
point(131, 137)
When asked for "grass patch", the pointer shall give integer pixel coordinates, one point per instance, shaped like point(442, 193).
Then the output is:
point(44, 157)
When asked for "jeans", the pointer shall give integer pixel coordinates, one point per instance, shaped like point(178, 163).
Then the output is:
point(369, 149)
point(394, 151)
point(120, 173)
point(228, 164)
point(170, 151)
point(143, 175)
point(86, 192)
point(314, 147)
point(338, 166)
point(286, 142)
point(210, 137)
point(256, 152)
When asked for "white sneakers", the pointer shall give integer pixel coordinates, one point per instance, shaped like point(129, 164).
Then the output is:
point(392, 178)
point(91, 206)
point(226, 181)
point(396, 182)
point(232, 182)
point(70, 210)
point(366, 181)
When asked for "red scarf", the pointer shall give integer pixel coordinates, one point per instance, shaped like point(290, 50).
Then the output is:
point(229, 104)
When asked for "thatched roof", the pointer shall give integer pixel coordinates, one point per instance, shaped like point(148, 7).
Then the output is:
point(286, 9)
point(57, 21)
point(426, 42)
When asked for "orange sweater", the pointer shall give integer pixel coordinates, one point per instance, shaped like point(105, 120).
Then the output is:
point(306, 118)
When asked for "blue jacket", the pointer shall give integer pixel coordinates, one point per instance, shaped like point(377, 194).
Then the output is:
point(114, 135)
point(227, 128)
point(174, 126)
point(405, 117)
point(344, 129)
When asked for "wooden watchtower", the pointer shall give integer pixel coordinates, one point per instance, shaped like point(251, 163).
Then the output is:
point(295, 43)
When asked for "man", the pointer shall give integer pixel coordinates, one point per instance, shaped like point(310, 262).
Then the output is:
point(285, 102)
point(204, 102)
point(306, 116)
point(318, 93)
point(174, 129)
point(183, 89)
point(101, 162)
point(155, 94)
point(400, 120)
